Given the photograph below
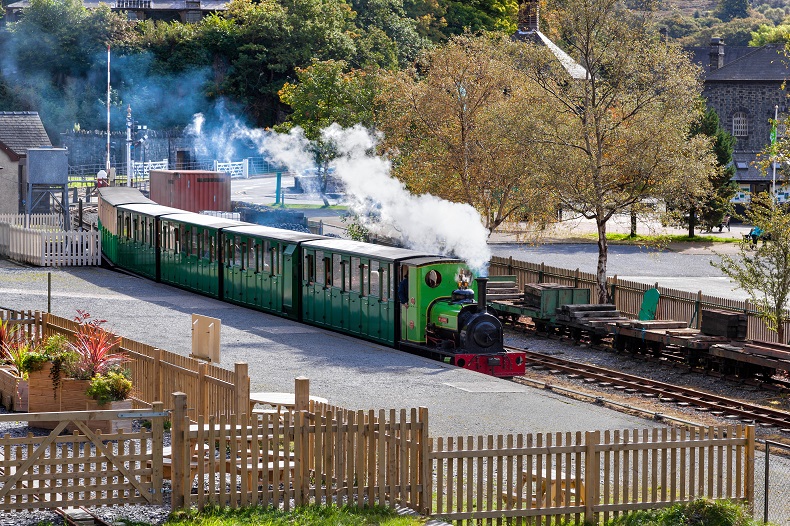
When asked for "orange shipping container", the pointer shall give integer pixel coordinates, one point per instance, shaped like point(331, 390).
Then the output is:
point(191, 190)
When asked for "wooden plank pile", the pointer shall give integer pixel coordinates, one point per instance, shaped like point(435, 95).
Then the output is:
point(503, 289)
point(658, 324)
point(724, 323)
point(534, 291)
point(589, 315)
point(774, 350)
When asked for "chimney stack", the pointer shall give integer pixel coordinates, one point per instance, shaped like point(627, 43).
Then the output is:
point(716, 53)
point(482, 302)
point(528, 16)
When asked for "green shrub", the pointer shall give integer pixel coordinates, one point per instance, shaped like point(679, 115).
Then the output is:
point(701, 512)
point(112, 386)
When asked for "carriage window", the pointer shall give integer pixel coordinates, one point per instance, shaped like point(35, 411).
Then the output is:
point(251, 254)
point(275, 259)
point(194, 249)
point(328, 271)
point(320, 268)
point(355, 273)
point(212, 249)
point(386, 284)
point(176, 238)
point(310, 268)
point(375, 279)
point(433, 279)
point(205, 245)
point(365, 272)
point(243, 255)
point(257, 255)
point(266, 257)
point(337, 271)
point(127, 226)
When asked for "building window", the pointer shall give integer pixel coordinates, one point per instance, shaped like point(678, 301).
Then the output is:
point(740, 126)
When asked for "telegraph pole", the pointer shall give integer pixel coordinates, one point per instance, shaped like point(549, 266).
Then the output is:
point(129, 164)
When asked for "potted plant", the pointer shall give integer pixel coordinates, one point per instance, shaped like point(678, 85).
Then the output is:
point(87, 374)
point(13, 373)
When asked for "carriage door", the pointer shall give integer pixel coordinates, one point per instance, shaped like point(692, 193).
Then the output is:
point(355, 295)
point(290, 284)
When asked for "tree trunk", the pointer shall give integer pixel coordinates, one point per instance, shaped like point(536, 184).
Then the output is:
point(692, 220)
point(603, 293)
point(633, 223)
point(780, 330)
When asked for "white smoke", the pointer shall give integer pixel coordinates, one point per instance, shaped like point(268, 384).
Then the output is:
point(423, 222)
point(383, 204)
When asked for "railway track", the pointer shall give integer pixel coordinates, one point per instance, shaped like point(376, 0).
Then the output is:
point(664, 392)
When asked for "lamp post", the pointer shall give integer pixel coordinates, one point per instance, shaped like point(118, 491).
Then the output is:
point(129, 146)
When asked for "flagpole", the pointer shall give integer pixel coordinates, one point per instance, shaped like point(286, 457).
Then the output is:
point(108, 110)
point(773, 150)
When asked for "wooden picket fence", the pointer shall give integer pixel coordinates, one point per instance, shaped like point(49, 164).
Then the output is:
point(585, 477)
point(673, 304)
point(214, 391)
point(323, 455)
point(48, 248)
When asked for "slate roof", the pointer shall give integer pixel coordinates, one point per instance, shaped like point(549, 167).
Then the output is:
point(743, 63)
point(20, 130)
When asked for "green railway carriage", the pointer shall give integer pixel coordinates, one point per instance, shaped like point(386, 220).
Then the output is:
point(191, 251)
point(109, 200)
point(351, 287)
point(261, 268)
point(137, 240)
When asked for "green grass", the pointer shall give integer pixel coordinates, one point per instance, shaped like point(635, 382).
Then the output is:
point(302, 516)
point(309, 207)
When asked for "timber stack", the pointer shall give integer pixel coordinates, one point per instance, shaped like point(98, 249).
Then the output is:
point(724, 323)
point(590, 315)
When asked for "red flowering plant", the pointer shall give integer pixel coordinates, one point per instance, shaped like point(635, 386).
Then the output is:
point(94, 349)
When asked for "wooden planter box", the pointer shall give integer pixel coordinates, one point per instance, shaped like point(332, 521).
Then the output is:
point(13, 390)
point(70, 396)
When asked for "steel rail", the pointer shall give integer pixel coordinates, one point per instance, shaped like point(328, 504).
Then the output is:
point(665, 391)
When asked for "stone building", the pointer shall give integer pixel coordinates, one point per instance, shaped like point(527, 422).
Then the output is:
point(745, 87)
point(191, 11)
point(19, 130)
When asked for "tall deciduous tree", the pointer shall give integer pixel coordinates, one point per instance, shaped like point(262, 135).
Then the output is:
point(763, 270)
point(461, 131)
point(326, 93)
point(621, 134)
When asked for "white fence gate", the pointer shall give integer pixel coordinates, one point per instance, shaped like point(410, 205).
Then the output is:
point(235, 169)
point(141, 170)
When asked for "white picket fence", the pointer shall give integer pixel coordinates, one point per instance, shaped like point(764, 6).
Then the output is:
point(235, 169)
point(34, 220)
point(49, 248)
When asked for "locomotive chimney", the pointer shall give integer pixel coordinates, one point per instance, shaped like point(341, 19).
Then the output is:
point(481, 294)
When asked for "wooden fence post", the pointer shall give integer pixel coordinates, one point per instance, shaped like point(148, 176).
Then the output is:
point(157, 435)
point(158, 395)
point(699, 309)
point(510, 266)
point(541, 272)
point(426, 466)
point(202, 403)
point(615, 292)
point(748, 480)
point(179, 456)
point(301, 393)
point(242, 381)
point(592, 475)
